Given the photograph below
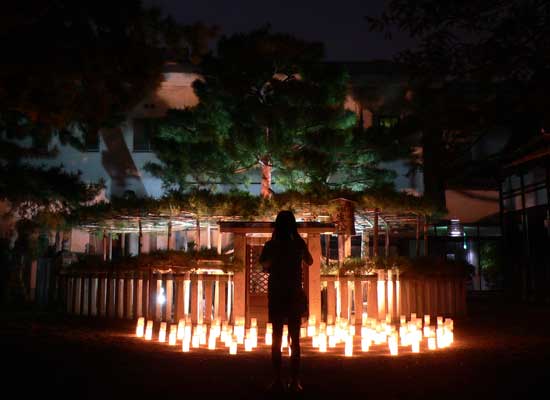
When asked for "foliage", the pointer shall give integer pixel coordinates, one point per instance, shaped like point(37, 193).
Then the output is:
point(490, 259)
point(204, 204)
point(267, 104)
point(178, 261)
point(408, 267)
point(73, 68)
point(477, 66)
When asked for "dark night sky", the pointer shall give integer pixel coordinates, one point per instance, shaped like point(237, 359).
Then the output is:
point(340, 24)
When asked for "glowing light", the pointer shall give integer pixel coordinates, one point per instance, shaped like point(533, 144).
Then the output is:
point(140, 327)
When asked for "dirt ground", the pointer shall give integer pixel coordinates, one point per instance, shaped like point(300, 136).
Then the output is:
point(500, 351)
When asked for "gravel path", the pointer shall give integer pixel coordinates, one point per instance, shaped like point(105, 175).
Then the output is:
point(500, 351)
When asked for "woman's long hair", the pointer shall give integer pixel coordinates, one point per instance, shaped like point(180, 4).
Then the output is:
point(286, 227)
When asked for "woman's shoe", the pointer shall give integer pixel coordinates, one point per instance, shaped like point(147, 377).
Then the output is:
point(276, 386)
point(295, 386)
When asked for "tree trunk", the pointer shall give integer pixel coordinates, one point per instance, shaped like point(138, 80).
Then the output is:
point(265, 191)
point(198, 245)
point(140, 237)
point(434, 173)
point(375, 234)
point(169, 235)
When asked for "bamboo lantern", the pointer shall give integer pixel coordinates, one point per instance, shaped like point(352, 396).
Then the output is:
point(365, 344)
point(173, 335)
point(162, 332)
point(332, 341)
point(233, 347)
point(392, 343)
point(140, 327)
point(426, 319)
point(149, 330)
point(431, 343)
point(248, 344)
point(322, 343)
point(348, 351)
point(195, 341)
point(212, 342)
point(185, 345)
point(303, 332)
point(181, 329)
point(402, 320)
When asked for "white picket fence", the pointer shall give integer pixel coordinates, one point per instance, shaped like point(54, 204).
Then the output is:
point(202, 298)
point(163, 297)
point(389, 295)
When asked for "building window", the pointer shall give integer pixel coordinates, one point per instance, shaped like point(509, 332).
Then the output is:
point(386, 121)
point(144, 128)
point(91, 140)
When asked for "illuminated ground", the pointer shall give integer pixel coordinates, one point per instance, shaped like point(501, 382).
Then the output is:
point(499, 352)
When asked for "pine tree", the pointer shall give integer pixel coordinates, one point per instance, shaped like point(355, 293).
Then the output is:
point(267, 105)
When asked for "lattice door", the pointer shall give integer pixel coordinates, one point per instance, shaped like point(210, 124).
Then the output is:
point(257, 280)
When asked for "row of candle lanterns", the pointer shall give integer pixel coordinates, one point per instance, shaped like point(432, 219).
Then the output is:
point(323, 336)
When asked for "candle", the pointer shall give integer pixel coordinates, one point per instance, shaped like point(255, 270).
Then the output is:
point(431, 343)
point(181, 329)
point(247, 344)
point(365, 344)
point(212, 342)
point(185, 345)
point(140, 327)
point(426, 319)
point(392, 343)
point(149, 330)
point(322, 341)
point(162, 332)
point(233, 347)
point(349, 347)
point(268, 339)
point(173, 335)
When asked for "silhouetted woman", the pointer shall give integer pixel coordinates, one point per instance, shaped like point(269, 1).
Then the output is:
point(282, 258)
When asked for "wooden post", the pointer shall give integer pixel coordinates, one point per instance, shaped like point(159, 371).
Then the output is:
point(93, 295)
point(85, 295)
point(198, 228)
point(194, 299)
point(77, 295)
point(110, 246)
point(387, 241)
point(365, 248)
point(138, 297)
point(219, 245)
point(217, 298)
point(425, 235)
point(372, 298)
point(123, 244)
point(222, 315)
point(240, 297)
point(314, 276)
point(111, 297)
point(129, 297)
point(417, 250)
point(331, 302)
point(358, 300)
point(208, 236)
point(375, 234)
point(105, 246)
point(179, 311)
point(381, 294)
point(103, 288)
point(140, 237)
point(169, 235)
point(207, 285)
point(120, 297)
point(158, 305)
point(169, 297)
point(344, 310)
